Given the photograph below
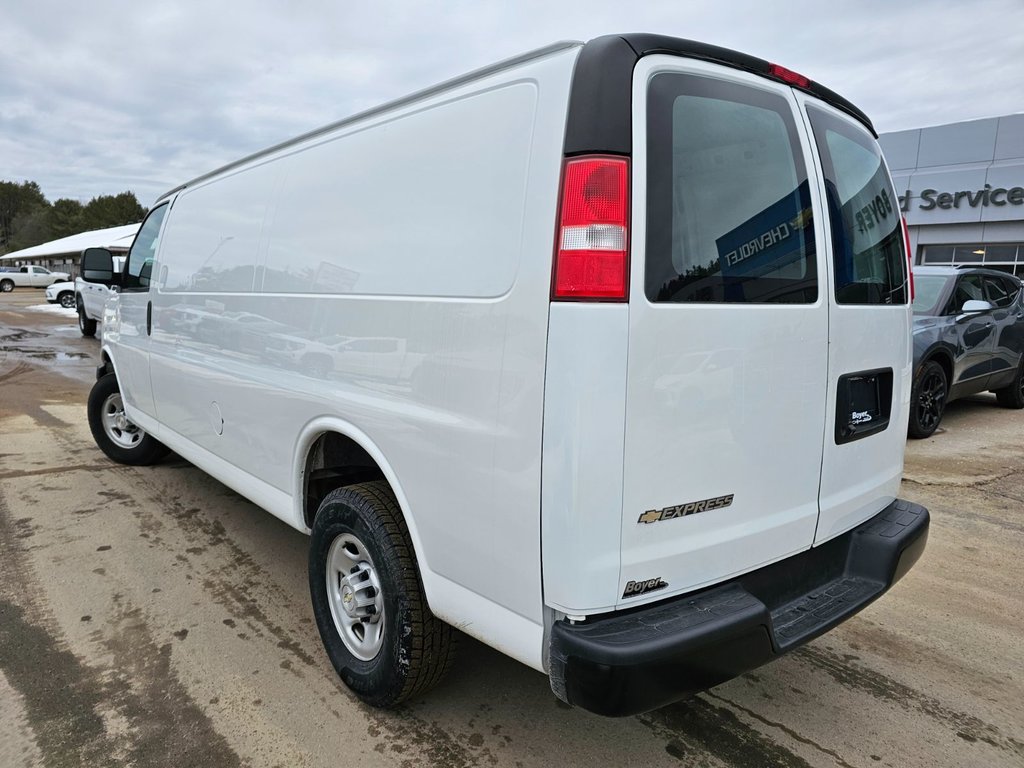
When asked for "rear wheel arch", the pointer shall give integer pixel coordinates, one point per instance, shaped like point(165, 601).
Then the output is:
point(944, 359)
point(332, 453)
point(106, 364)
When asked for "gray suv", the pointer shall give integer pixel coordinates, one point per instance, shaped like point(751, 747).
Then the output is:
point(968, 338)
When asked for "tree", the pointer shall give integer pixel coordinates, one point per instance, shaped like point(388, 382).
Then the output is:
point(27, 218)
point(17, 200)
point(30, 228)
point(65, 218)
point(112, 211)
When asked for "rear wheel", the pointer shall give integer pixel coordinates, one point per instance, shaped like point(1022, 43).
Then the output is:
point(86, 325)
point(927, 400)
point(1012, 395)
point(6, 286)
point(368, 598)
point(115, 435)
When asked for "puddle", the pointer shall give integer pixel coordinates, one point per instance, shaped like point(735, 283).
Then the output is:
point(20, 334)
point(49, 354)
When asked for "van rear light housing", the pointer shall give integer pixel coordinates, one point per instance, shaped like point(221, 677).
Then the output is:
point(592, 251)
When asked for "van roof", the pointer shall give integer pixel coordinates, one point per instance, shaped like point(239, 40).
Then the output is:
point(602, 80)
point(454, 82)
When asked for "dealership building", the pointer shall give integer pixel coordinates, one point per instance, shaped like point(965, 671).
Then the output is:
point(961, 188)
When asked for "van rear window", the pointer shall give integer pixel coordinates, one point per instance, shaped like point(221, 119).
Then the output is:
point(729, 215)
point(867, 240)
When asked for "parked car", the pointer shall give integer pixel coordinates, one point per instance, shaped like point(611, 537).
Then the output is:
point(546, 479)
point(30, 276)
point(968, 338)
point(90, 298)
point(62, 293)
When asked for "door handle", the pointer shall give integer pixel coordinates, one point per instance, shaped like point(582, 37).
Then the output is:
point(149, 318)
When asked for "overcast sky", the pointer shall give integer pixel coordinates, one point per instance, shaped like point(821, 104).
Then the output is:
point(100, 97)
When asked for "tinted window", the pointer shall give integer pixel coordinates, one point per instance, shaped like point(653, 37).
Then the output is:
point(928, 289)
point(728, 215)
point(968, 288)
point(867, 240)
point(999, 292)
point(143, 253)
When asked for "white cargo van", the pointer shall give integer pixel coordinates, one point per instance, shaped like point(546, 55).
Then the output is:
point(632, 395)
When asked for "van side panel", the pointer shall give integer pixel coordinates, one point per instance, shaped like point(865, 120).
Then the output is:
point(401, 279)
point(584, 429)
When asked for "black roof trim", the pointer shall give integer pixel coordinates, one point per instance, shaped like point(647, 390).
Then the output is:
point(603, 82)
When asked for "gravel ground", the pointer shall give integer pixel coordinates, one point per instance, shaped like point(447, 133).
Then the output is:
point(152, 617)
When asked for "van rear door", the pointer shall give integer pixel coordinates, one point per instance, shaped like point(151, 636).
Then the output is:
point(728, 330)
point(869, 368)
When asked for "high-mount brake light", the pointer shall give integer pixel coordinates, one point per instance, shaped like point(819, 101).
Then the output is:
point(910, 257)
point(789, 76)
point(592, 255)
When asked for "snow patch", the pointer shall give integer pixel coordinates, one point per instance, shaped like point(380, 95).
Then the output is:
point(53, 309)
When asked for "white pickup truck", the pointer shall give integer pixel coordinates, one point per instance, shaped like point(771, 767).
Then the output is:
point(89, 301)
point(30, 276)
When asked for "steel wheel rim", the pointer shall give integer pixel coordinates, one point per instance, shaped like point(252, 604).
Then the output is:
point(355, 597)
point(930, 401)
point(116, 426)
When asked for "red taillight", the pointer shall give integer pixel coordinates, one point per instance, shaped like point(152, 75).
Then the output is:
point(788, 76)
point(591, 257)
point(910, 257)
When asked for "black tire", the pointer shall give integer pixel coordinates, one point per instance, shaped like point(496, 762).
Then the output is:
point(6, 286)
point(86, 325)
point(124, 443)
point(416, 648)
point(66, 299)
point(1012, 395)
point(927, 400)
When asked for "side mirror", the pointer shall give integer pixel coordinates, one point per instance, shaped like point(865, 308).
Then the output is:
point(973, 307)
point(98, 267)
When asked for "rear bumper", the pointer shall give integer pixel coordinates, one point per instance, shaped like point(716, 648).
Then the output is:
point(637, 660)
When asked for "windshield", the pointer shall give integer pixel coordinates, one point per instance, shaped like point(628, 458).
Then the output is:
point(927, 292)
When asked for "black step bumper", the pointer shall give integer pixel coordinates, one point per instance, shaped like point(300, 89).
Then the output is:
point(644, 658)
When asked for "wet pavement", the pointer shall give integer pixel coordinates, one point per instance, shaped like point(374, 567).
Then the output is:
point(152, 617)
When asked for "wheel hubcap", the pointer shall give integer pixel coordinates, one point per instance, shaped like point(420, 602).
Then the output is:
point(930, 402)
point(355, 597)
point(116, 425)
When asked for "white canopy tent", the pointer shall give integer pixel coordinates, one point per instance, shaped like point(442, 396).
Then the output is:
point(116, 239)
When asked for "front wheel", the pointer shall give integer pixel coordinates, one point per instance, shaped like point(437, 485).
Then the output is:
point(86, 325)
point(115, 435)
point(1012, 395)
point(368, 598)
point(927, 400)
point(67, 300)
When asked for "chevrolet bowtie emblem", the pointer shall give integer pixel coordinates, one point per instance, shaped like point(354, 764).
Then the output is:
point(650, 516)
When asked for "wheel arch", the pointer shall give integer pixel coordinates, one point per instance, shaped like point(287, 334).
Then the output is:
point(106, 364)
point(322, 444)
point(941, 355)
